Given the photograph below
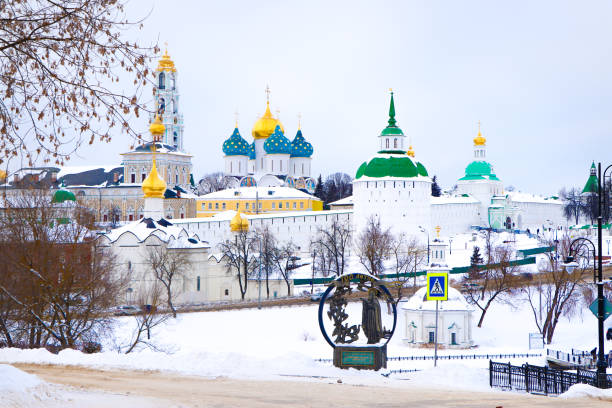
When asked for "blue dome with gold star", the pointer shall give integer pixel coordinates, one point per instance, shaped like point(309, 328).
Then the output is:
point(235, 145)
point(300, 147)
point(252, 155)
point(277, 143)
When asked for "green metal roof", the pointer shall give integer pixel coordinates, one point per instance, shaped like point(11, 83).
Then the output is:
point(591, 184)
point(479, 170)
point(398, 165)
point(392, 128)
point(62, 195)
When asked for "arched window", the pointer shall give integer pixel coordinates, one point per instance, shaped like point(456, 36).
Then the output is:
point(162, 81)
point(387, 143)
point(395, 143)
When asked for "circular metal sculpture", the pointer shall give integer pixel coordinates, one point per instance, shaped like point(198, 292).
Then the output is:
point(363, 345)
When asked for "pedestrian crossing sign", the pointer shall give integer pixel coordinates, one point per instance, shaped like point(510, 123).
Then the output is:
point(437, 286)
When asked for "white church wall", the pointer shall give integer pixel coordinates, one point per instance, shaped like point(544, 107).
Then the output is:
point(454, 217)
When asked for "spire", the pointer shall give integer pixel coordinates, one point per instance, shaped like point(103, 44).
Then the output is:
point(591, 185)
point(479, 140)
point(392, 121)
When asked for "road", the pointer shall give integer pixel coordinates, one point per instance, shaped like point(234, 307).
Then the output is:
point(156, 390)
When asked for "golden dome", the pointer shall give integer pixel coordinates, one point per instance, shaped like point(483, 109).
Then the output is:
point(410, 152)
point(265, 125)
point(479, 140)
point(153, 186)
point(157, 127)
point(239, 223)
point(165, 63)
point(2, 175)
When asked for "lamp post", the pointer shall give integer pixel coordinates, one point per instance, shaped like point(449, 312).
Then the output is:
point(426, 232)
point(571, 264)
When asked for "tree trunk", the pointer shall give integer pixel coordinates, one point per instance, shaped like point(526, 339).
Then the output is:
point(170, 305)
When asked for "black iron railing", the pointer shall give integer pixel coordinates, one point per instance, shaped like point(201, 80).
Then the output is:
point(542, 380)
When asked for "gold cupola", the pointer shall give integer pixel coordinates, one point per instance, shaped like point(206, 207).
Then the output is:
point(265, 125)
point(410, 152)
point(239, 223)
point(479, 140)
point(154, 186)
point(165, 63)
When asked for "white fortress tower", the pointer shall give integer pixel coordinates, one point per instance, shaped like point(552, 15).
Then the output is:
point(393, 186)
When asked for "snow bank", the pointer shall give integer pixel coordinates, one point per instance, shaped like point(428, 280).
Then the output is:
point(453, 375)
point(588, 391)
point(20, 389)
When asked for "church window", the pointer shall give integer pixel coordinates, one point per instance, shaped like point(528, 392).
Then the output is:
point(281, 165)
point(216, 206)
point(231, 167)
point(280, 205)
point(431, 337)
point(210, 206)
point(395, 143)
point(223, 206)
point(237, 205)
point(143, 176)
point(302, 168)
point(177, 178)
point(387, 143)
point(247, 206)
point(294, 168)
point(239, 167)
point(287, 205)
point(273, 206)
point(294, 204)
point(272, 165)
point(105, 218)
point(198, 284)
point(162, 84)
point(131, 217)
point(226, 292)
point(302, 204)
point(133, 177)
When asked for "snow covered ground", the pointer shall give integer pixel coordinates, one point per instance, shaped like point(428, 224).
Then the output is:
point(283, 343)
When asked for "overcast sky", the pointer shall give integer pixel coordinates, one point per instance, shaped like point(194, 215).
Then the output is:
point(537, 74)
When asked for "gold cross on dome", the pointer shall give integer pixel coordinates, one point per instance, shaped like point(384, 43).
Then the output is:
point(268, 93)
point(236, 114)
point(299, 121)
point(478, 126)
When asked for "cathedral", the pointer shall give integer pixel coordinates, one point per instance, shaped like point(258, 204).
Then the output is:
point(271, 159)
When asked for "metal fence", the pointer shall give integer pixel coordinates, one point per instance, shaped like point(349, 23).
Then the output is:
point(537, 379)
point(453, 357)
point(577, 358)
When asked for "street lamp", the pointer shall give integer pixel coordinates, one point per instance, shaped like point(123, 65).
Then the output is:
point(426, 232)
point(570, 265)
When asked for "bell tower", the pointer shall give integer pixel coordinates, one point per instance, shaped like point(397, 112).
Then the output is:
point(165, 93)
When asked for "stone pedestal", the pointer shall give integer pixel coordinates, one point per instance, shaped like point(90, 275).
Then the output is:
point(361, 357)
point(153, 208)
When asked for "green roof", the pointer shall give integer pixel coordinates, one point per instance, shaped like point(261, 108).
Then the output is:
point(591, 185)
point(62, 195)
point(479, 170)
point(391, 166)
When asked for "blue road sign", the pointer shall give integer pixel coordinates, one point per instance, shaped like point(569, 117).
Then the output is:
point(437, 286)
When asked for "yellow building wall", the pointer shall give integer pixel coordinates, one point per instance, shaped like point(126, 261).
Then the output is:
point(267, 206)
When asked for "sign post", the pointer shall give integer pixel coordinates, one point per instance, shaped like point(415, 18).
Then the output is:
point(437, 289)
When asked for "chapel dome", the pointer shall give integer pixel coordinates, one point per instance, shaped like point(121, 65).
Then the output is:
point(418, 301)
point(479, 170)
point(300, 147)
point(61, 196)
point(252, 155)
point(235, 145)
point(239, 223)
point(266, 125)
point(277, 143)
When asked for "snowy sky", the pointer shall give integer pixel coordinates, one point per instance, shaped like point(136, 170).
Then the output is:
point(537, 74)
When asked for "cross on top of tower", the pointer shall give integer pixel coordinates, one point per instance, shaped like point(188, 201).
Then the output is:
point(268, 93)
point(299, 121)
point(236, 114)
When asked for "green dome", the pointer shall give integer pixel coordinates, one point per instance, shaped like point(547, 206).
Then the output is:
point(392, 130)
point(391, 165)
point(62, 195)
point(479, 170)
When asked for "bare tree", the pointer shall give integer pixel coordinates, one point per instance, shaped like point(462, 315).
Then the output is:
point(238, 257)
point(168, 265)
point(556, 293)
point(266, 245)
point(56, 275)
point(60, 67)
point(407, 256)
point(332, 244)
point(284, 260)
point(336, 187)
point(486, 284)
point(374, 245)
point(149, 299)
point(573, 204)
point(214, 182)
